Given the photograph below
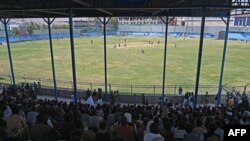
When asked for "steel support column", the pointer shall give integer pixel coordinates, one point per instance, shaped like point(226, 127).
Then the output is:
point(105, 22)
point(105, 61)
point(223, 62)
point(72, 55)
point(5, 22)
point(199, 58)
point(164, 61)
point(52, 56)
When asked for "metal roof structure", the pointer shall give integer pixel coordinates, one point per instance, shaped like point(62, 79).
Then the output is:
point(115, 8)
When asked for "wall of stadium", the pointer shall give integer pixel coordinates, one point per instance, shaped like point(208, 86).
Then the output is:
point(214, 30)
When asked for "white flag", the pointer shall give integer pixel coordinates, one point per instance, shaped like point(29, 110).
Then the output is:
point(90, 101)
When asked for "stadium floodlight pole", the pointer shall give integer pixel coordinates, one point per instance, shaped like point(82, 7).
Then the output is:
point(5, 22)
point(71, 32)
point(49, 22)
point(199, 57)
point(223, 61)
point(105, 22)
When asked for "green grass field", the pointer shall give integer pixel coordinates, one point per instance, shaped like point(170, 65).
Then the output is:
point(128, 66)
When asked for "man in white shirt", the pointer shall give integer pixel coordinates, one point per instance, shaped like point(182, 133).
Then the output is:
point(153, 135)
point(31, 117)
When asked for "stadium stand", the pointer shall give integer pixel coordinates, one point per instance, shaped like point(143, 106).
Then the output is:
point(23, 117)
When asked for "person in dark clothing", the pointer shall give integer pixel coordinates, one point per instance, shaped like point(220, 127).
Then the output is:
point(180, 90)
point(191, 136)
point(88, 93)
point(210, 135)
point(103, 134)
point(142, 51)
point(67, 127)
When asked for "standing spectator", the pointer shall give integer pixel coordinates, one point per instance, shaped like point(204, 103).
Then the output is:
point(185, 101)
point(180, 90)
point(191, 100)
point(206, 98)
point(143, 98)
point(88, 93)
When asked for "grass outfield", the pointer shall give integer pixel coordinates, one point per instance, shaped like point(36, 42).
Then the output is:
point(128, 65)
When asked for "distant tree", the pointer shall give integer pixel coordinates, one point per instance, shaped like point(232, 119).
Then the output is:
point(16, 31)
point(64, 26)
point(44, 26)
point(34, 26)
point(30, 30)
point(24, 29)
point(114, 23)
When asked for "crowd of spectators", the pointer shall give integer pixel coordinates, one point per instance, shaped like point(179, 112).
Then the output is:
point(49, 120)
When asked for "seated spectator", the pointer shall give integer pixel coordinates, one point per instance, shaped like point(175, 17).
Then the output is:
point(153, 135)
point(211, 136)
point(16, 126)
point(111, 124)
point(167, 133)
point(103, 134)
point(219, 131)
point(199, 129)
point(79, 134)
point(125, 131)
point(180, 132)
point(191, 136)
point(53, 135)
point(76, 136)
point(151, 120)
point(3, 130)
point(31, 117)
point(39, 131)
point(94, 121)
point(67, 127)
point(7, 113)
